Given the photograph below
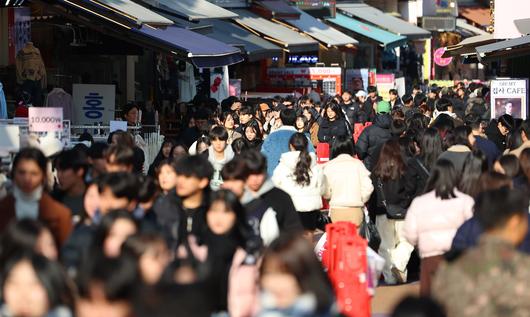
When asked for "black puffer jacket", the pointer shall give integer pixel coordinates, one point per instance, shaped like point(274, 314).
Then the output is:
point(331, 129)
point(372, 139)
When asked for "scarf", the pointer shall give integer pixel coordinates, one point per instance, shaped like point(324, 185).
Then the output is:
point(27, 205)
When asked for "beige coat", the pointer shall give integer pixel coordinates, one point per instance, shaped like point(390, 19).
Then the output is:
point(349, 183)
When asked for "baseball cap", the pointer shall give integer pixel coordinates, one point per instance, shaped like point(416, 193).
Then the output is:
point(360, 93)
point(383, 107)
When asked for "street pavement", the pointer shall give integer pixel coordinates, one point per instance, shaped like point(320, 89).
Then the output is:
point(387, 297)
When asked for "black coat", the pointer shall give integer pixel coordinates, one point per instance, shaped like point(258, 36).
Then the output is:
point(416, 177)
point(331, 129)
point(372, 139)
point(495, 136)
point(174, 219)
point(395, 193)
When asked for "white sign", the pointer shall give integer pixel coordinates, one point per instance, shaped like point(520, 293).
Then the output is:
point(93, 103)
point(45, 119)
point(9, 138)
point(509, 96)
point(118, 125)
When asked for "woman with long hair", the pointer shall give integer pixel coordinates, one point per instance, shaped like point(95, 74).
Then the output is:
point(166, 175)
point(429, 144)
point(391, 196)
point(333, 123)
point(312, 125)
point(163, 153)
point(299, 175)
point(347, 195)
point(30, 198)
point(253, 136)
point(459, 145)
point(229, 120)
point(293, 282)
point(114, 229)
point(474, 166)
point(434, 217)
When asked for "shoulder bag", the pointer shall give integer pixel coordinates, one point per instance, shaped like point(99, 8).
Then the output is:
point(393, 211)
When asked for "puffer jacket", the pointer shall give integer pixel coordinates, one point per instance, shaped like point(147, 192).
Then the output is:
point(328, 130)
point(305, 198)
point(431, 222)
point(372, 139)
point(349, 183)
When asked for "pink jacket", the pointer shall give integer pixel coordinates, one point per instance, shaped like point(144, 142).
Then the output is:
point(431, 223)
point(243, 287)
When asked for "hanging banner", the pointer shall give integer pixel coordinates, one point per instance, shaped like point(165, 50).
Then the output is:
point(93, 104)
point(45, 119)
point(385, 82)
point(509, 96)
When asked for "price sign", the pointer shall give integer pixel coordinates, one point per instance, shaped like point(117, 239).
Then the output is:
point(45, 119)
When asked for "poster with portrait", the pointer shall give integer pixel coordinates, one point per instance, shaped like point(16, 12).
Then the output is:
point(509, 96)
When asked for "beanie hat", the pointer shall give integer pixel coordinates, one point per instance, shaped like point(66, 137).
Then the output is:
point(383, 107)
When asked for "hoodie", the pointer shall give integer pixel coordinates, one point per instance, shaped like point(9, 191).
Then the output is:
point(218, 165)
point(266, 203)
point(305, 197)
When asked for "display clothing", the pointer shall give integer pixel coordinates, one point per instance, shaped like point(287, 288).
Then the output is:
point(58, 98)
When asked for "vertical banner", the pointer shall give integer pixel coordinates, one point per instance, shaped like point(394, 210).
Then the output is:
point(93, 103)
point(427, 61)
point(509, 96)
point(385, 82)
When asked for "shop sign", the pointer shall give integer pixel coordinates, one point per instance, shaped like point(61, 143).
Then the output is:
point(439, 60)
point(385, 82)
point(509, 96)
point(302, 59)
point(45, 119)
point(93, 103)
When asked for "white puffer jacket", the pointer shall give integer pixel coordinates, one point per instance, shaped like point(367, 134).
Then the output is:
point(305, 198)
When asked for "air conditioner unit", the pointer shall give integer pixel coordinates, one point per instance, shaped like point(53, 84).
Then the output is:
point(440, 23)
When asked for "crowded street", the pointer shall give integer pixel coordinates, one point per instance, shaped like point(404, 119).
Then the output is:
point(264, 158)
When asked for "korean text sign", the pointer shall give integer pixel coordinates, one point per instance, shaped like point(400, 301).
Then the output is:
point(509, 96)
point(93, 103)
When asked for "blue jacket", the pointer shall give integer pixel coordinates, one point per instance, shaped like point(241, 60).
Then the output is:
point(468, 234)
point(276, 144)
point(3, 104)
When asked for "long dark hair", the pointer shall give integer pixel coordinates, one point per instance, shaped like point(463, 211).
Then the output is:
point(292, 254)
point(342, 145)
point(20, 237)
point(301, 172)
point(443, 179)
point(255, 126)
point(51, 275)
point(430, 145)
point(103, 231)
point(390, 165)
point(160, 156)
point(336, 108)
point(475, 165)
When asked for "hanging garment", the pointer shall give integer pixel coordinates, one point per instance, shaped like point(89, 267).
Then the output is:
point(3, 103)
point(30, 65)
point(186, 84)
point(59, 98)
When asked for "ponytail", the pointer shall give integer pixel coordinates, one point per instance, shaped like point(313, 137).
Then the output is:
point(301, 172)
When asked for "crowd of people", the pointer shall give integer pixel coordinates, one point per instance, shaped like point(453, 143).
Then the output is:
point(223, 222)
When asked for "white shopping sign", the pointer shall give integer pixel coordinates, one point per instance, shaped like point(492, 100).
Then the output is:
point(45, 119)
point(93, 103)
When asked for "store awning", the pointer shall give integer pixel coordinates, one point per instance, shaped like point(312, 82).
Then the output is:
point(286, 38)
point(190, 9)
point(253, 46)
point(321, 31)
point(136, 11)
point(385, 21)
point(277, 9)
point(462, 24)
point(124, 13)
point(201, 50)
point(385, 38)
point(480, 16)
point(467, 46)
point(508, 48)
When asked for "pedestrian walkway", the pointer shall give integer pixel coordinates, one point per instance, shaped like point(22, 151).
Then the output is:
point(387, 297)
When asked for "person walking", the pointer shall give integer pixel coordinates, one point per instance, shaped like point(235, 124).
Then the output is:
point(433, 219)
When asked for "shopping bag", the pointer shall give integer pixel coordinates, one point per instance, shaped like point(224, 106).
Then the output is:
point(322, 153)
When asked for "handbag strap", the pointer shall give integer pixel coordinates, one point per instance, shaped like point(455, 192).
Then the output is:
point(425, 170)
point(382, 192)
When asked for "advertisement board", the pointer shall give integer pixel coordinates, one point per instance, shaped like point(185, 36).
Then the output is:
point(93, 104)
point(45, 119)
point(329, 77)
point(384, 82)
point(509, 96)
